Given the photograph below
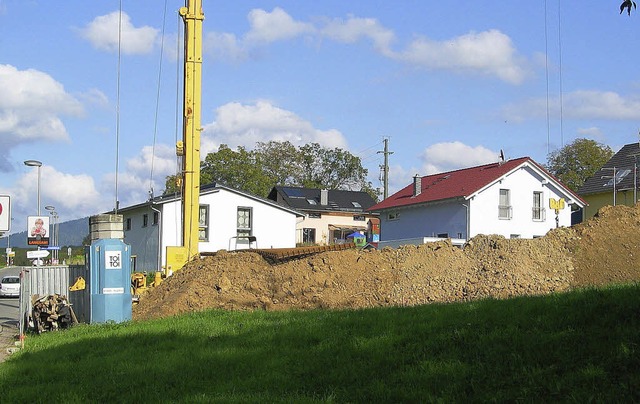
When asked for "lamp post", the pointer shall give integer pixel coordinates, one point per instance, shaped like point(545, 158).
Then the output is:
point(35, 163)
point(54, 234)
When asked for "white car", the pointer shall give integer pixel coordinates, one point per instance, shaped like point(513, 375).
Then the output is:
point(10, 286)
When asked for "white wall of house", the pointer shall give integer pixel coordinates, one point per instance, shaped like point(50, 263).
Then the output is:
point(450, 217)
point(424, 221)
point(142, 238)
point(272, 226)
point(521, 183)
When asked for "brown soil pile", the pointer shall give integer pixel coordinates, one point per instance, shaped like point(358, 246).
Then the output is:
point(603, 250)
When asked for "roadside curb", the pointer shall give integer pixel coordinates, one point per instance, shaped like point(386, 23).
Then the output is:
point(9, 341)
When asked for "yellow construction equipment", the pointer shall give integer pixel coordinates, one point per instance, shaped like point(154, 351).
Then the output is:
point(189, 148)
point(79, 284)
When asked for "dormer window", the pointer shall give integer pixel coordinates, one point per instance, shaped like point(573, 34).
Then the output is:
point(356, 205)
point(312, 201)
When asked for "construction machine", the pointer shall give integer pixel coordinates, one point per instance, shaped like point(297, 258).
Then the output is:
point(188, 150)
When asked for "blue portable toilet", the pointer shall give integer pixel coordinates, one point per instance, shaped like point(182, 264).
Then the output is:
point(109, 281)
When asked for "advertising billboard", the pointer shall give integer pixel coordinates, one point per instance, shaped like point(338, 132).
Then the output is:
point(38, 230)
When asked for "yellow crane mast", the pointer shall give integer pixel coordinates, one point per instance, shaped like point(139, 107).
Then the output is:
point(189, 147)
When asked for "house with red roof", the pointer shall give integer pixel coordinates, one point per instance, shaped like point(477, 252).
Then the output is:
point(516, 198)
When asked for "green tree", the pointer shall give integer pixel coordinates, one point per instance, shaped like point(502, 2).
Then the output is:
point(281, 163)
point(577, 161)
point(238, 169)
point(330, 168)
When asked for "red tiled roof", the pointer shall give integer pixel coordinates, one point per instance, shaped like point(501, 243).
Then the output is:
point(455, 184)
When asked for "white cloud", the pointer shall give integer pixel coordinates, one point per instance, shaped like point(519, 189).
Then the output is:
point(95, 97)
point(448, 156)
point(353, 29)
point(489, 52)
point(73, 196)
point(224, 46)
point(243, 125)
point(581, 104)
point(274, 26)
point(31, 106)
point(600, 105)
point(162, 160)
point(104, 34)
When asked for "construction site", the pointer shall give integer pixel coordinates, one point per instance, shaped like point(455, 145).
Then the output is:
point(601, 251)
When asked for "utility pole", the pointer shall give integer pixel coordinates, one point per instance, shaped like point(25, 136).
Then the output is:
point(385, 167)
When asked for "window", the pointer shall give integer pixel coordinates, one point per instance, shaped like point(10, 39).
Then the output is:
point(514, 236)
point(504, 205)
point(309, 236)
point(359, 218)
point(537, 212)
point(244, 221)
point(356, 205)
point(443, 235)
point(314, 215)
point(156, 218)
point(312, 202)
point(203, 223)
point(127, 225)
point(620, 174)
point(393, 216)
point(145, 220)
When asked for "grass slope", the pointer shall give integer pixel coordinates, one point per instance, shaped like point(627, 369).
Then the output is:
point(578, 347)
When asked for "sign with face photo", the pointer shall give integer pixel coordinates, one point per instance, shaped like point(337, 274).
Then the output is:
point(38, 231)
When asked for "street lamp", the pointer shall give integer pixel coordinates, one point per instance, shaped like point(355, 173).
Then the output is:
point(35, 163)
point(54, 233)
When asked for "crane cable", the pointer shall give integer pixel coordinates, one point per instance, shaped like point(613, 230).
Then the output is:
point(115, 210)
point(155, 125)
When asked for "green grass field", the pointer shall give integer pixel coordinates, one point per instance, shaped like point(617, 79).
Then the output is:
point(582, 346)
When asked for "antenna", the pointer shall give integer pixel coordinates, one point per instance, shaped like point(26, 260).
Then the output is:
point(501, 156)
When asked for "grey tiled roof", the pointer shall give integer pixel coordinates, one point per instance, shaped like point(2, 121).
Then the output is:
point(308, 199)
point(623, 162)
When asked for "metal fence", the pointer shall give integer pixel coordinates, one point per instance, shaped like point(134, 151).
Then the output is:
point(48, 280)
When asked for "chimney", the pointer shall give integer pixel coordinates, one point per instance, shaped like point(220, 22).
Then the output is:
point(324, 197)
point(417, 185)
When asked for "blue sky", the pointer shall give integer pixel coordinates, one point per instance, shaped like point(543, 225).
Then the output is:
point(449, 84)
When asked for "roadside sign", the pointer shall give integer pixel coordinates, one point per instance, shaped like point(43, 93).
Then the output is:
point(5, 213)
point(52, 247)
point(37, 254)
point(38, 228)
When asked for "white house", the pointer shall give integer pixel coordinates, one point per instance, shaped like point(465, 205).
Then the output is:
point(229, 220)
point(511, 198)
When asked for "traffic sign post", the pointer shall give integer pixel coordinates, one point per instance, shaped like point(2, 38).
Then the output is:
point(5, 213)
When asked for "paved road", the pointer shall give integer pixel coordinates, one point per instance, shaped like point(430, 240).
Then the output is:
point(9, 312)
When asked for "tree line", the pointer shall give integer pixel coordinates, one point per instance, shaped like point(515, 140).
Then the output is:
point(274, 163)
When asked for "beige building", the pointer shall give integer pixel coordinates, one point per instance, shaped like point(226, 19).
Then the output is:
point(331, 216)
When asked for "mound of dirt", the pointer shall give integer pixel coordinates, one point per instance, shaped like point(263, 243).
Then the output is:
point(603, 250)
